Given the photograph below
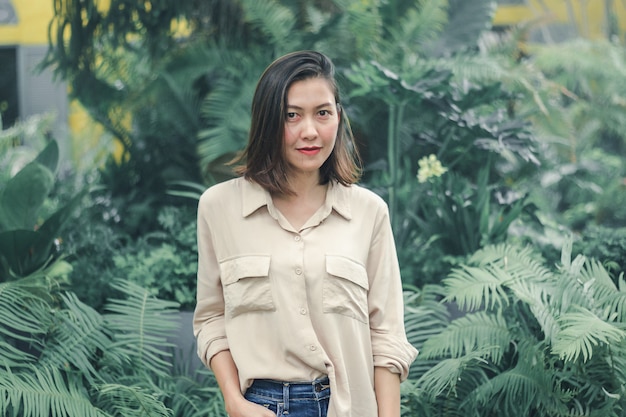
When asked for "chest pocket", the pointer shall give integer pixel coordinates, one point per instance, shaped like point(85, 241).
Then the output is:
point(246, 284)
point(345, 288)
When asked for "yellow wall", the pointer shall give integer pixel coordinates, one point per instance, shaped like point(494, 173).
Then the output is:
point(589, 15)
point(31, 29)
point(33, 17)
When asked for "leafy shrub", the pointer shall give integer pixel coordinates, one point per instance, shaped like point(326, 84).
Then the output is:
point(525, 340)
point(164, 262)
point(607, 244)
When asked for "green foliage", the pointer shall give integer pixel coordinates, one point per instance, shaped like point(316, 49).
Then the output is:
point(56, 351)
point(437, 222)
point(607, 244)
point(27, 241)
point(164, 262)
point(582, 132)
point(59, 357)
point(527, 339)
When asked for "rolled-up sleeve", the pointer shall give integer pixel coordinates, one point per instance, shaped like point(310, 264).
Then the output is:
point(208, 320)
point(390, 346)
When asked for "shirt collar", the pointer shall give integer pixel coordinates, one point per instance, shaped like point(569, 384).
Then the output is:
point(254, 197)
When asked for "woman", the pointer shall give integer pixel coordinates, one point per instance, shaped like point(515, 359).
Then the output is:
point(299, 307)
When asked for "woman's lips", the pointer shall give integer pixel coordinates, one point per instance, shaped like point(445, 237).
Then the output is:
point(309, 151)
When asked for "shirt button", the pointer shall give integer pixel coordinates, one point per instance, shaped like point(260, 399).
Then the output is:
point(298, 271)
point(297, 238)
point(303, 311)
point(313, 347)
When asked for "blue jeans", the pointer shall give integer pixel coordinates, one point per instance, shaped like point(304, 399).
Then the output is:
point(295, 399)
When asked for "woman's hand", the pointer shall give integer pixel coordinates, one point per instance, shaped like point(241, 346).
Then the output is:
point(241, 407)
point(227, 376)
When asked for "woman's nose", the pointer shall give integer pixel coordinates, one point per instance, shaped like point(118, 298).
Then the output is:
point(308, 129)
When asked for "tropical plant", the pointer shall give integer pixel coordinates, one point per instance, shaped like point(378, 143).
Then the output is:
point(527, 339)
point(583, 132)
point(28, 235)
point(425, 92)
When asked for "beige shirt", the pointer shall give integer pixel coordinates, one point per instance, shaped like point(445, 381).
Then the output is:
point(293, 305)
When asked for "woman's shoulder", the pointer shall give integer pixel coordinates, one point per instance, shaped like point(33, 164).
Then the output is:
point(360, 194)
point(221, 191)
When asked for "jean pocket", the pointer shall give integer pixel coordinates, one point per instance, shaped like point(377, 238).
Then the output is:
point(345, 288)
point(246, 284)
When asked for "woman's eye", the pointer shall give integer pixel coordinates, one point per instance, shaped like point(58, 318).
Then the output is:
point(324, 113)
point(291, 115)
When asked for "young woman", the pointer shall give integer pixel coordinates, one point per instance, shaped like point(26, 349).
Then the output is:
point(299, 307)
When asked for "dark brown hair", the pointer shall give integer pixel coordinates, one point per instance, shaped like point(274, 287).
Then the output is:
point(263, 157)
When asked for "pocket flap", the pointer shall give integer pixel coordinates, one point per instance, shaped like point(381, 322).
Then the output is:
point(346, 268)
point(248, 266)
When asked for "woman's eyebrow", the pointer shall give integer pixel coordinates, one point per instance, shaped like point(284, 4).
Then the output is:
point(293, 106)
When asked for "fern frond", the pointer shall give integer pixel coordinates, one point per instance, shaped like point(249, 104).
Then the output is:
point(425, 317)
point(523, 389)
point(76, 338)
point(23, 314)
point(131, 401)
point(226, 110)
point(273, 20)
point(444, 378)
point(478, 332)
point(538, 297)
point(473, 288)
point(140, 324)
point(611, 303)
point(44, 392)
point(581, 331)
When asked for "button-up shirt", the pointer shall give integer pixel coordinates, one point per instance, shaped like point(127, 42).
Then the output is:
point(295, 304)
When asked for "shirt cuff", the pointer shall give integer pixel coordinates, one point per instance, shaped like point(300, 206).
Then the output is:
point(399, 361)
point(208, 349)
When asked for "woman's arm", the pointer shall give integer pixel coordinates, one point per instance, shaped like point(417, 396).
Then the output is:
point(227, 376)
point(387, 388)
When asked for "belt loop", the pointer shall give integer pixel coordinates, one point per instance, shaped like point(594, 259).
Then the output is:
point(286, 397)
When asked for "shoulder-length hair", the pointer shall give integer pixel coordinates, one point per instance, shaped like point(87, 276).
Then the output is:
point(263, 158)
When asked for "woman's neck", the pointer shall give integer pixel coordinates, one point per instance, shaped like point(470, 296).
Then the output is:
point(305, 187)
point(309, 195)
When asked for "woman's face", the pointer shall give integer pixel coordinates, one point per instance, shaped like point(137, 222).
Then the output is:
point(311, 125)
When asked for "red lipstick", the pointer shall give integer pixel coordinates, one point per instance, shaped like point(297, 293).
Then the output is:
point(312, 150)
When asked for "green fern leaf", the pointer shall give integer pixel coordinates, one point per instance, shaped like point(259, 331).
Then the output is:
point(44, 392)
point(478, 332)
point(130, 401)
point(581, 331)
point(140, 324)
point(473, 288)
point(76, 337)
point(449, 374)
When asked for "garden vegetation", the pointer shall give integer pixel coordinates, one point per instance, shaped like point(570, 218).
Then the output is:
point(502, 162)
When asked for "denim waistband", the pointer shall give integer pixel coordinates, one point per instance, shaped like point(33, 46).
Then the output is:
point(292, 390)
